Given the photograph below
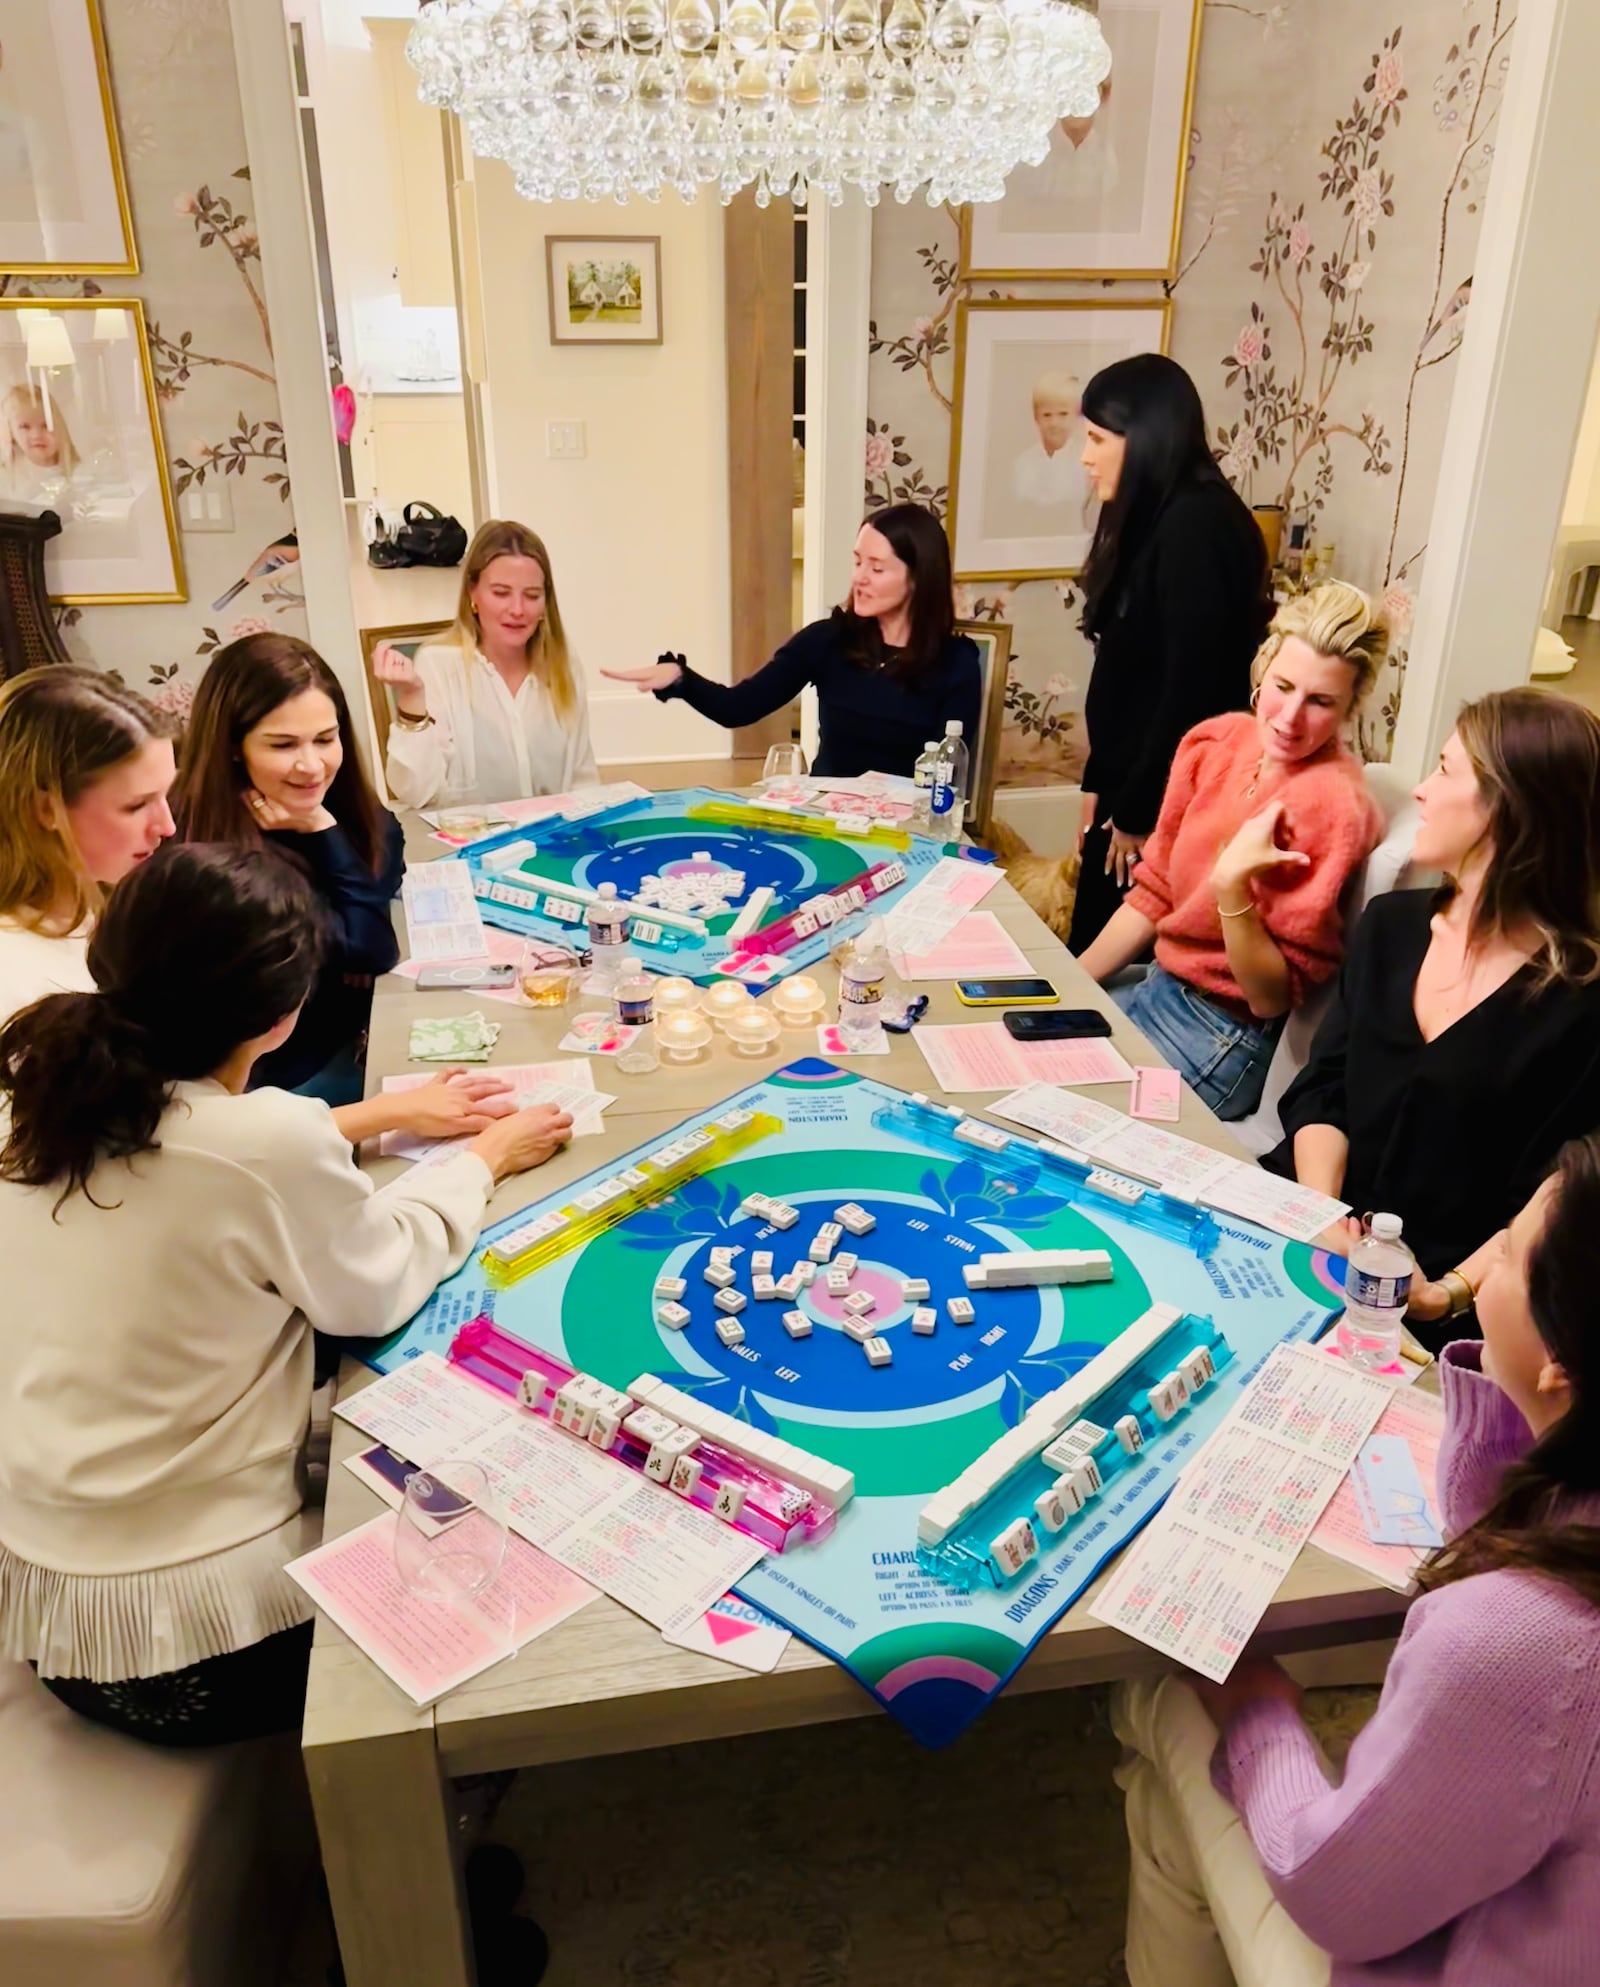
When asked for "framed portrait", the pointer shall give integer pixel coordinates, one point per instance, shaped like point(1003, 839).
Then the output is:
point(993, 639)
point(79, 435)
point(1020, 502)
point(1108, 201)
point(63, 195)
point(604, 289)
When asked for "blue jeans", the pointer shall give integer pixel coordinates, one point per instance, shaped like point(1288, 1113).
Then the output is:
point(1223, 1060)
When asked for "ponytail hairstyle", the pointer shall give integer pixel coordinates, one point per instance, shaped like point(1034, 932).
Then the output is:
point(243, 685)
point(61, 729)
point(547, 653)
point(201, 949)
point(1523, 1530)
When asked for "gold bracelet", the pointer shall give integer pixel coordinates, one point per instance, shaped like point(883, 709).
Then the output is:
point(1461, 1293)
point(407, 722)
point(1251, 906)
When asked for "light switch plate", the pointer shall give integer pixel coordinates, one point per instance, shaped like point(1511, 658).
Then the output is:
point(565, 441)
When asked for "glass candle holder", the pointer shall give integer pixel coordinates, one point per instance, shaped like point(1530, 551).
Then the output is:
point(751, 1030)
point(676, 996)
point(682, 1037)
point(798, 1001)
point(724, 999)
point(638, 1055)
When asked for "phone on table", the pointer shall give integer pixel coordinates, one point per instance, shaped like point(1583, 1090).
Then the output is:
point(1066, 1024)
point(435, 979)
point(1005, 993)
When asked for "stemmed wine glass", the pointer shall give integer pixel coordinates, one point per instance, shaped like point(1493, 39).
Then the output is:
point(450, 1542)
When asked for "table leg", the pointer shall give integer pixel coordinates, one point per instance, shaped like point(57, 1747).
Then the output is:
point(389, 1851)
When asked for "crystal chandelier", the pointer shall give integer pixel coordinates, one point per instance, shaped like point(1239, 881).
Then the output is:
point(588, 98)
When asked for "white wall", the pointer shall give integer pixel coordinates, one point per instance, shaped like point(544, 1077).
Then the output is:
point(638, 529)
point(1582, 508)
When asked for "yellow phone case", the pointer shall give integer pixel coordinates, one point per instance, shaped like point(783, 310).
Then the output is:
point(1009, 1000)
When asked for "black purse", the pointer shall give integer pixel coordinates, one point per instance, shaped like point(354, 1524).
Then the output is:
point(428, 538)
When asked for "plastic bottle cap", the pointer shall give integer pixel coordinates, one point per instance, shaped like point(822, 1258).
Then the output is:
point(608, 890)
point(1387, 1227)
point(953, 728)
point(930, 745)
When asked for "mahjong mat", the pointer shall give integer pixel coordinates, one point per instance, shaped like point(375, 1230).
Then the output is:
point(654, 836)
point(933, 1657)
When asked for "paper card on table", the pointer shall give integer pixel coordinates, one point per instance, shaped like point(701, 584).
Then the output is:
point(735, 1632)
point(753, 969)
point(982, 1056)
point(1059, 1114)
point(831, 1042)
point(933, 907)
point(1390, 1490)
point(1165, 1158)
point(425, 1410)
point(1418, 1419)
point(594, 1035)
point(978, 948)
point(1201, 1575)
point(442, 918)
point(458, 825)
point(569, 1085)
point(664, 1558)
point(1157, 1093)
point(543, 1481)
point(500, 948)
point(423, 1646)
point(1284, 1206)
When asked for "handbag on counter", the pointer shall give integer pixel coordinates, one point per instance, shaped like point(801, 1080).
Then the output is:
point(424, 537)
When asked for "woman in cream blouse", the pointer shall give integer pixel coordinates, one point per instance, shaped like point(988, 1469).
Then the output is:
point(150, 1489)
point(496, 710)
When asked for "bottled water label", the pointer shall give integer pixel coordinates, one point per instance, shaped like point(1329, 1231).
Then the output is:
point(1368, 1292)
point(860, 993)
point(943, 797)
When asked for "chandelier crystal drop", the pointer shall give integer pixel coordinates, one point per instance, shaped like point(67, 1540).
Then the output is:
point(589, 99)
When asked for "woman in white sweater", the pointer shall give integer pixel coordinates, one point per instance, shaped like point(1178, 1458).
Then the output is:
point(496, 710)
point(169, 1241)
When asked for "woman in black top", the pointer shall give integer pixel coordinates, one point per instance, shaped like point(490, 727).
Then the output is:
point(1463, 1049)
point(890, 670)
point(1175, 602)
point(267, 761)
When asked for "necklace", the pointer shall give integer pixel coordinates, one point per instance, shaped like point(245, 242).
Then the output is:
point(1255, 777)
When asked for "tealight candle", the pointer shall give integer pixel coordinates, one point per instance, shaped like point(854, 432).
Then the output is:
point(676, 996)
point(752, 1030)
point(723, 999)
point(798, 1001)
point(682, 1037)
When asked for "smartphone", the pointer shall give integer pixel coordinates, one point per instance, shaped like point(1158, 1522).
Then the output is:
point(1063, 1025)
point(1005, 993)
point(432, 979)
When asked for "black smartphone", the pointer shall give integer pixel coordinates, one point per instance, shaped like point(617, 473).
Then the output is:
point(1062, 1025)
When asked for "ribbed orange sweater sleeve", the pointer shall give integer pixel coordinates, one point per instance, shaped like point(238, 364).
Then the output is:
point(1328, 815)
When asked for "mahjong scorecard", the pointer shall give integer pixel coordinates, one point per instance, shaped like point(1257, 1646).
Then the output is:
point(705, 878)
point(943, 1372)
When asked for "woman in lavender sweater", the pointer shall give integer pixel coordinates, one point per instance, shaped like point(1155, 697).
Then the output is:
point(1462, 1847)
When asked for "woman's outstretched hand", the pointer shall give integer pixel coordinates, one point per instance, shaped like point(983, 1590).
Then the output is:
point(668, 669)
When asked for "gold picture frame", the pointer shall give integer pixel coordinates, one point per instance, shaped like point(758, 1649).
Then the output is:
point(994, 655)
point(1160, 112)
point(80, 435)
point(1054, 488)
point(408, 636)
point(627, 316)
point(55, 53)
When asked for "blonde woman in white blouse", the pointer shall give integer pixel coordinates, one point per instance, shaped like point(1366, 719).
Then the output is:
point(170, 1239)
point(496, 709)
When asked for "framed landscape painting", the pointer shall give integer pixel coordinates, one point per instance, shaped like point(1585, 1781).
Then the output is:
point(604, 289)
point(1020, 503)
point(63, 196)
point(1108, 201)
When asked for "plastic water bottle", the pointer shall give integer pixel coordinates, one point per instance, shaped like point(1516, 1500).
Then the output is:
point(922, 780)
point(608, 937)
point(1377, 1282)
point(863, 963)
point(948, 798)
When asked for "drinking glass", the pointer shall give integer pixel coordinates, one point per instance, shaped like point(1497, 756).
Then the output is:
point(784, 762)
point(546, 976)
point(449, 1543)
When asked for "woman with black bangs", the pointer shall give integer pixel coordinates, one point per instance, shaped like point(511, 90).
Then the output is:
point(1175, 602)
point(889, 669)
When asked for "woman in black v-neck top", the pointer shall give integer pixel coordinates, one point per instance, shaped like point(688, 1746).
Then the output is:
point(1452, 1128)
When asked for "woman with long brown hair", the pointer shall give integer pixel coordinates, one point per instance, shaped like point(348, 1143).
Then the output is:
point(1463, 1049)
point(85, 769)
point(496, 709)
point(269, 760)
point(1461, 1844)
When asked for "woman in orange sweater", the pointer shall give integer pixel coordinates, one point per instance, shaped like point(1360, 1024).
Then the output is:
point(1263, 821)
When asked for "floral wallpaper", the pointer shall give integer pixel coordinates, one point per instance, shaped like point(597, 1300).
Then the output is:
point(1338, 160)
point(177, 94)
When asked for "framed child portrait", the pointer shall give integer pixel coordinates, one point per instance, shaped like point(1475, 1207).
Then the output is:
point(1020, 501)
point(63, 194)
point(79, 435)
